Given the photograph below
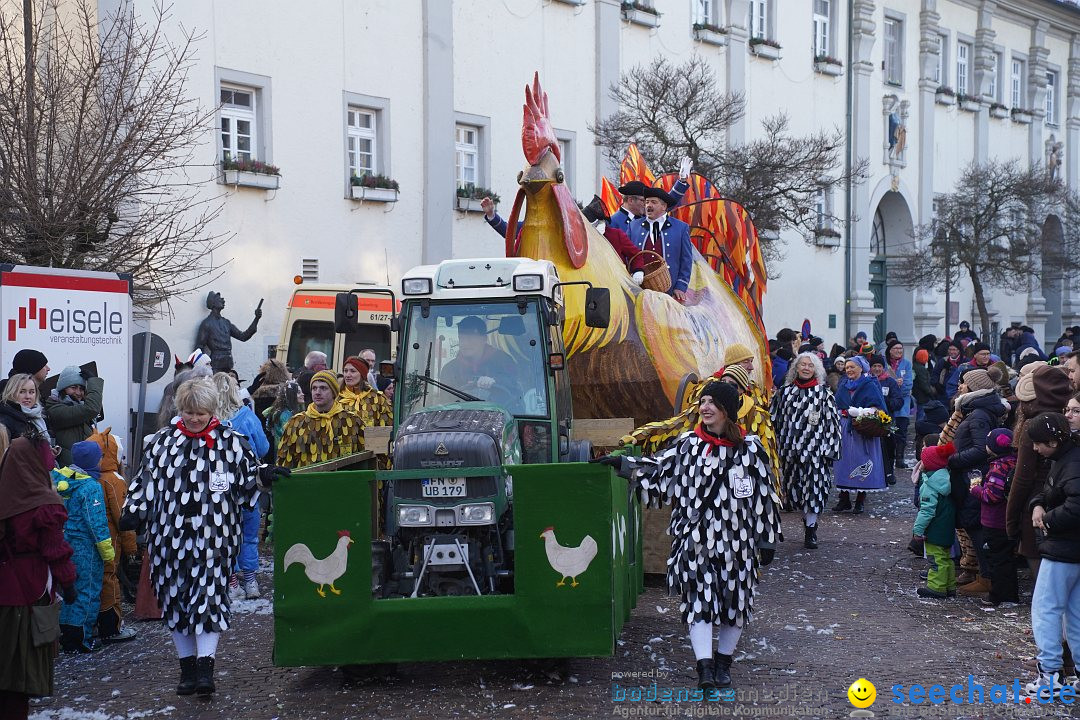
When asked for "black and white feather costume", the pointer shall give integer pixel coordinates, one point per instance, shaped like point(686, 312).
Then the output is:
point(723, 510)
point(191, 495)
point(807, 425)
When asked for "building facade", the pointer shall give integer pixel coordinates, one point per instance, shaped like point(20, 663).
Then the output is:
point(429, 93)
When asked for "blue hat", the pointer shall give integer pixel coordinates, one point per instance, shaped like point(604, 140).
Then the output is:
point(86, 455)
point(861, 362)
point(860, 334)
point(69, 376)
point(1062, 350)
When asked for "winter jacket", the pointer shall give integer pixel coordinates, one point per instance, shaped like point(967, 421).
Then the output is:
point(779, 371)
point(12, 418)
point(1060, 498)
point(1027, 340)
point(937, 516)
point(87, 531)
point(983, 410)
point(70, 421)
point(942, 372)
point(865, 394)
point(921, 389)
point(33, 546)
point(905, 378)
point(991, 492)
point(894, 399)
point(1028, 479)
point(247, 424)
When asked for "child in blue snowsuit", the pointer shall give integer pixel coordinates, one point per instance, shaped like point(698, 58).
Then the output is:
point(87, 532)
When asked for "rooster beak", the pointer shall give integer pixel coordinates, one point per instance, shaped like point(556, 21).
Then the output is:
point(545, 172)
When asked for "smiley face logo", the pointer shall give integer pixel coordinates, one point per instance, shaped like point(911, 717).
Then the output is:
point(862, 693)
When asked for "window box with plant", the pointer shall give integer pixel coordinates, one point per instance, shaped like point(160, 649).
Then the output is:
point(827, 65)
point(999, 111)
point(373, 188)
point(710, 34)
point(765, 48)
point(641, 13)
point(826, 237)
point(945, 96)
point(251, 173)
point(968, 102)
point(469, 197)
point(1021, 115)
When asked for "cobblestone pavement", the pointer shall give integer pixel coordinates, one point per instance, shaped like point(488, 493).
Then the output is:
point(824, 618)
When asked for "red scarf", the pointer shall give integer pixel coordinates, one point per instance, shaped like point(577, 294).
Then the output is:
point(806, 384)
point(206, 433)
point(714, 441)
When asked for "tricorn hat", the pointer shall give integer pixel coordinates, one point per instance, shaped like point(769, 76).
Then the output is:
point(634, 187)
point(661, 194)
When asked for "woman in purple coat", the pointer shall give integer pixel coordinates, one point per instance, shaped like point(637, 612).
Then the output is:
point(860, 467)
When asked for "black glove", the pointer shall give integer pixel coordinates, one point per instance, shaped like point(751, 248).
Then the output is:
point(269, 473)
point(614, 461)
point(129, 521)
point(69, 594)
point(916, 545)
point(87, 373)
point(767, 555)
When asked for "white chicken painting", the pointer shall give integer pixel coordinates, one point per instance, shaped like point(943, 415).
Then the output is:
point(568, 562)
point(326, 571)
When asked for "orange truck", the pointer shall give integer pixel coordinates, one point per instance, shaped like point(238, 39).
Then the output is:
point(309, 324)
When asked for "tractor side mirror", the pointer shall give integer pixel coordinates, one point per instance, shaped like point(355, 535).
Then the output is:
point(346, 309)
point(597, 307)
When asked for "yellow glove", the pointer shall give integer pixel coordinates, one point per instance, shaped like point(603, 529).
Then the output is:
point(105, 550)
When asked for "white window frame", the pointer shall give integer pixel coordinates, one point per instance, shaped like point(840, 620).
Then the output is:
point(482, 125)
point(1052, 78)
point(758, 21)
point(892, 62)
point(708, 12)
point(963, 68)
point(463, 149)
point(230, 115)
point(822, 215)
point(939, 68)
point(261, 111)
point(380, 108)
point(1018, 72)
point(822, 28)
point(997, 75)
point(568, 149)
point(356, 133)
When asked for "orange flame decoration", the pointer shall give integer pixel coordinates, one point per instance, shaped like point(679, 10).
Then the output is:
point(634, 167)
point(610, 196)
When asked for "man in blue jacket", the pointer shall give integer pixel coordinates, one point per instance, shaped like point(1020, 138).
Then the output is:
point(667, 237)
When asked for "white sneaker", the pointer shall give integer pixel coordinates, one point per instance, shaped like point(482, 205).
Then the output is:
point(251, 590)
point(1045, 686)
point(1071, 680)
point(126, 633)
point(235, 591)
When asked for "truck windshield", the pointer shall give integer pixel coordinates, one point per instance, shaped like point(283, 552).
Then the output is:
point(477, 351)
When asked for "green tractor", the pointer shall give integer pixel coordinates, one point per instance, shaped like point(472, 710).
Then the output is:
point(491, 537)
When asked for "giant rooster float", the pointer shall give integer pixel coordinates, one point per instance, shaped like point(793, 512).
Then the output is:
point(637, 365)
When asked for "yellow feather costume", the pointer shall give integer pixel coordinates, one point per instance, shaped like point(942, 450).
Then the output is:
point(313, 437)
point(371, 406)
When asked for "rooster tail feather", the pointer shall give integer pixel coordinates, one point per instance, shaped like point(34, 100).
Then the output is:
point(298, 553)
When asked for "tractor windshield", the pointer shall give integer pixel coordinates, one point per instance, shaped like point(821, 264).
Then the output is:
point(475, 351)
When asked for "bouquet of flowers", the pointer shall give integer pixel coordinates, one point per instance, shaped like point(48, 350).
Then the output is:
point(871, 422)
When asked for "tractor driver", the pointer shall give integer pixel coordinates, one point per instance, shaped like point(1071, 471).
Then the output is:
point(481, 369)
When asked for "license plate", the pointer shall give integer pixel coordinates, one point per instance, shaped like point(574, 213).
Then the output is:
point(443, 487)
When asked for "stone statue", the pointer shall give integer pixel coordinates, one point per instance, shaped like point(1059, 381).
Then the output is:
point(216, 333)
point(1053, 157)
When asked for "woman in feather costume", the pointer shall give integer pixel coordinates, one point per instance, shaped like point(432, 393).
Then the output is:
point(196, 479)
point(324, 431)
point(807, 426)
point(725, 523)
point(371, 406)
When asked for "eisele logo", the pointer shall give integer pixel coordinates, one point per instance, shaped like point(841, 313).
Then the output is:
point(66, 320)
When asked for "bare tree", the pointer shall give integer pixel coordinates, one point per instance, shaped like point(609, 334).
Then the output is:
point(675, 110)
point(990, 228)
point(97, 146)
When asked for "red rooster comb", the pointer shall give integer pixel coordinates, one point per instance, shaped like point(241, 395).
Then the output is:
point(343, 533)
point(537, 134)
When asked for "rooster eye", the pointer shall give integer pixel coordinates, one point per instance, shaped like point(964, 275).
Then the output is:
point(559, 175)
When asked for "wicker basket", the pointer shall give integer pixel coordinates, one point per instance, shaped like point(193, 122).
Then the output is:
point(657, 275)
point(872, 429)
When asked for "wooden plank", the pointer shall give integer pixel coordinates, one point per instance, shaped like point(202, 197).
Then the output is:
point(377, 439)
point(603, 432)
point(348, 462)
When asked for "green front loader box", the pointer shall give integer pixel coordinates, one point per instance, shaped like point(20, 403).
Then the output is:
point(573, 517)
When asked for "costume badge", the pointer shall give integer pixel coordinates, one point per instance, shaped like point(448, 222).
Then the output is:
point(815, 417)
point(744, 486)
point(219, 481)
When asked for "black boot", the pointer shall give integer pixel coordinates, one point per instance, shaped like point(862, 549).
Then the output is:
point(705, 679)
point(810, 537)
point(860, 500)
point(187, 676)
point(844, 504)
point(204, 683)
point(722, 670)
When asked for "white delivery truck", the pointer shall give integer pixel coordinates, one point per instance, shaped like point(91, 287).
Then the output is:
point(75, 317)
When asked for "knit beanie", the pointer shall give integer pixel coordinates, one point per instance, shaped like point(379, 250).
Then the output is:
point(936, 457)
point(27, 361)
point(1000, 441)
point(329, 378)
point(86, 455)
point(725, 396)
point(736, 353)
point(69, 376)
point(739, 375)
point(359, 364)
point(1047, 427)
point(978, 380)
point(1050, 385)
point(876, 360)
point(979, 347)
point(922, 356)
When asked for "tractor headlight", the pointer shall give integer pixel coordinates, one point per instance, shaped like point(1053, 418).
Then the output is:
point(416, 286)
point(528, 283)
point(414, 515)
point(479, 514)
